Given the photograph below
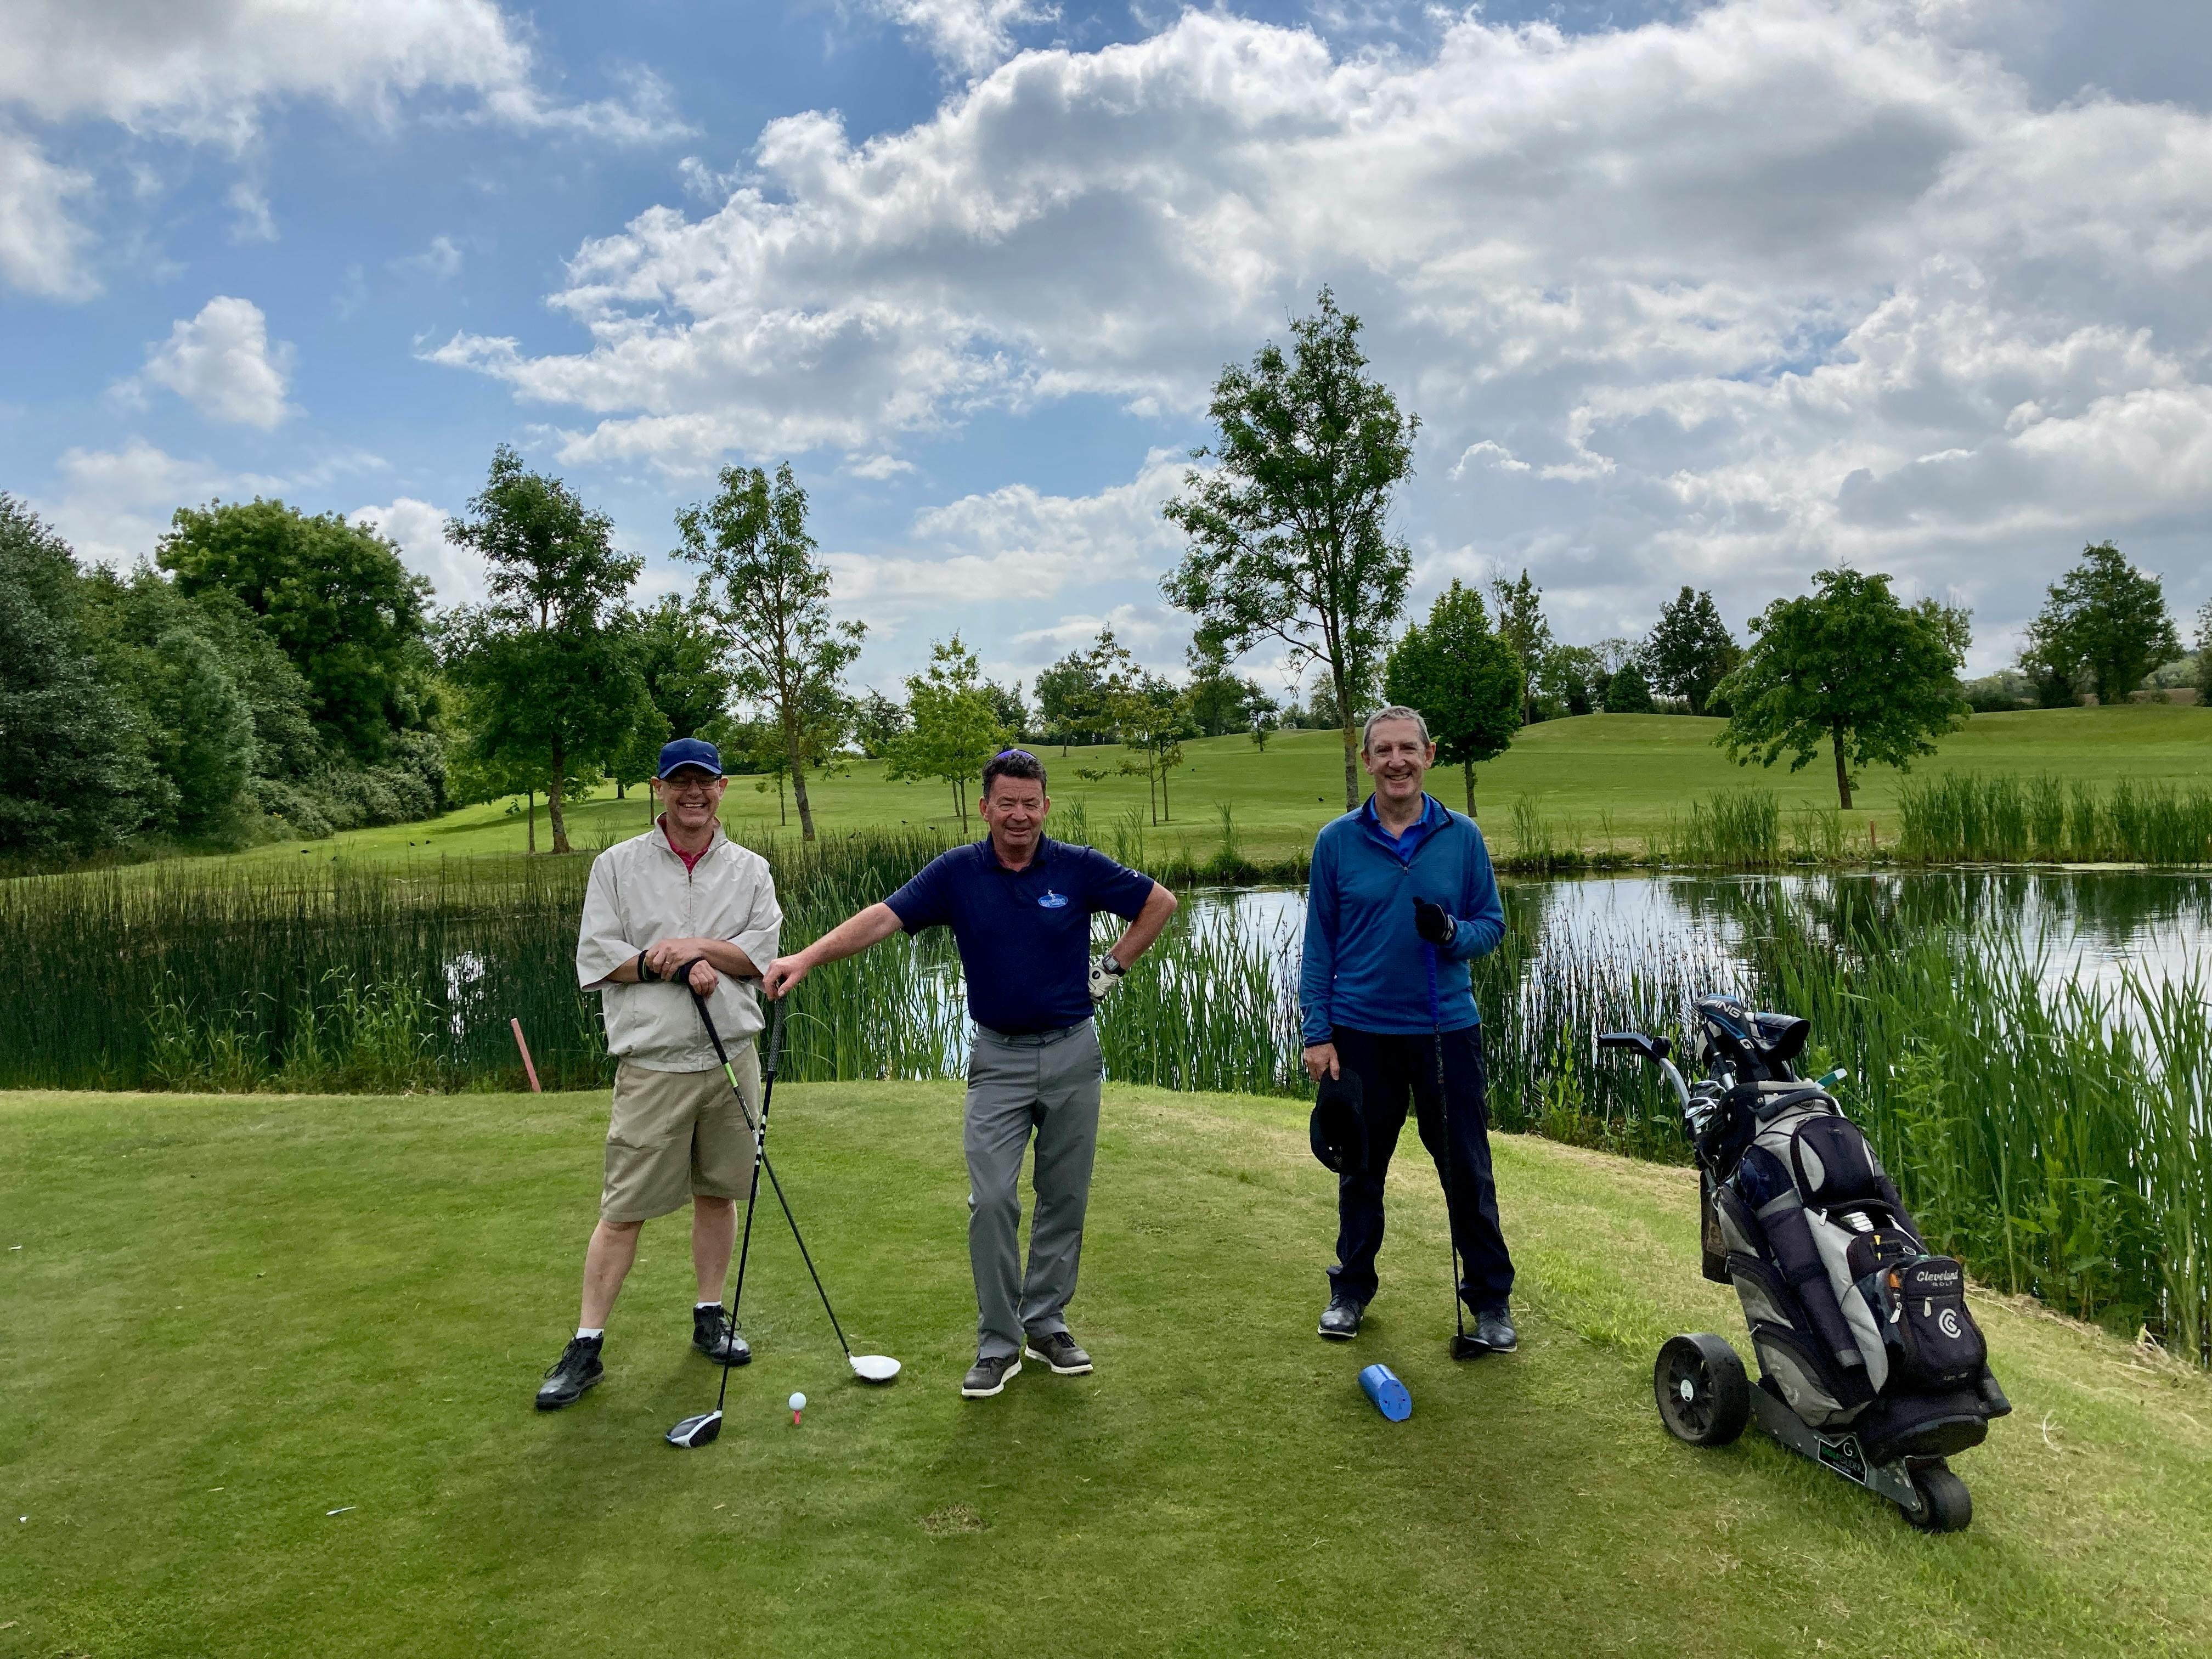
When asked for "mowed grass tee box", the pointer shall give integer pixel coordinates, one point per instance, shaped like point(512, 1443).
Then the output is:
point(271, 1363)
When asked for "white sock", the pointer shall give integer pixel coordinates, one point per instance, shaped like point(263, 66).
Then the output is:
point(702, 1307)
point(590, 1332)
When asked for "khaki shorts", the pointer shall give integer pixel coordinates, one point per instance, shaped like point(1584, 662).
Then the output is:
point(677, 1134)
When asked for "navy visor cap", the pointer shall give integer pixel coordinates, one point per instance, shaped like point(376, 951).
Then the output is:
point(1339, 1125)
point(690, 751)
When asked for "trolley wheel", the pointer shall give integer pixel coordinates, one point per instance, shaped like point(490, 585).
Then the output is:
point(1946, 1505)
point(1704, 1397)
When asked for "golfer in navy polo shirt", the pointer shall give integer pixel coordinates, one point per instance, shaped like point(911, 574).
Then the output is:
point(1019, 906)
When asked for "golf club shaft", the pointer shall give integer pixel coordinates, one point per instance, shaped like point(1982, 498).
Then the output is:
point(760, 1162)
point(804, 1256)
point(744, 1250)
point(760, 1151)
point(1443, 1117)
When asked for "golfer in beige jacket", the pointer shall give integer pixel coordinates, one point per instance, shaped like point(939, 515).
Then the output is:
point(683, 893)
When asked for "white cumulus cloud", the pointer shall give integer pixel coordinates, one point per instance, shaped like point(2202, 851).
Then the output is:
point(1016, 543)
point(222, 363)
point(206, 71)
point(418, 529)
point(968, 35)
point(113, 505)
point(42, 247)
point(1724, 295)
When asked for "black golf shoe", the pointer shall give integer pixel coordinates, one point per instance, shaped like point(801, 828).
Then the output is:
point(989, 1375)
point(1493, 1329)
point(1339, 1321)
point(1060, 1351)
point(711, 1336)
point(577, 1370)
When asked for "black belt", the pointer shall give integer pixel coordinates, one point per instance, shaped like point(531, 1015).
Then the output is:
point(1032, 1039)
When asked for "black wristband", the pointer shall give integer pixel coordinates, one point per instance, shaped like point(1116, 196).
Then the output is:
point(645, 974)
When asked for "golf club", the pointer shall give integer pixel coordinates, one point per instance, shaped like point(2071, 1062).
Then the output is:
point(868, 1367)
point(694, 1431)
point(1463, 1346)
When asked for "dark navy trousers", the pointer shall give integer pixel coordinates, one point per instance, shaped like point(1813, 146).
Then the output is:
point(1391, 1069)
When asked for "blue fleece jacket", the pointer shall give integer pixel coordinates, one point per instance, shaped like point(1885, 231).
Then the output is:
point(1366, 967)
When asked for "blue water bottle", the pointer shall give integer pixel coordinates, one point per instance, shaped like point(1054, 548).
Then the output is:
point(1380, 1384)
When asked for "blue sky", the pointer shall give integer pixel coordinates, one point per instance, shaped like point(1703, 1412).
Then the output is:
point(1715, 294)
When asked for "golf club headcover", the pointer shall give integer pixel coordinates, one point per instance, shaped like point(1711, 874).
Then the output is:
point(1433, 922)
point(1338, 1127)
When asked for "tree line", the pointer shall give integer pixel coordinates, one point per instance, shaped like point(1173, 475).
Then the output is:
point(269, 674)
point(266, 669)
point(1289, 544)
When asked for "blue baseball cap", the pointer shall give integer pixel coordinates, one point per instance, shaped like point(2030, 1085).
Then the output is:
point(690, 751)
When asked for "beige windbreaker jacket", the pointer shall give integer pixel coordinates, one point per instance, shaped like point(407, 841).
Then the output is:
point(639, 894)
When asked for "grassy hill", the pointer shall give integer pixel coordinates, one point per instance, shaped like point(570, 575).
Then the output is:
point(1595, 777)
point(228, 1317)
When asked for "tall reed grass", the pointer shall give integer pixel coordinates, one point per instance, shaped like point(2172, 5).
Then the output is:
point(2059, 1139)
point(1965, 817)
point(2057, 1136)
point(1732, 830)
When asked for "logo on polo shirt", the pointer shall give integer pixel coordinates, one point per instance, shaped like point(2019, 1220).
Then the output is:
point(1053, 902)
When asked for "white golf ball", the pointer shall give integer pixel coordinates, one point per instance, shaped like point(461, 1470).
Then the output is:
point(798, 1402)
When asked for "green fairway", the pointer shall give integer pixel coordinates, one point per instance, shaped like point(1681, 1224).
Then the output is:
point(1599, 778)
point(229, 1317)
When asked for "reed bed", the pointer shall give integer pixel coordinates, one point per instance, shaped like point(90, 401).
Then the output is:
point(1732, 830)
point(2059, 1138)
point(2005, 818)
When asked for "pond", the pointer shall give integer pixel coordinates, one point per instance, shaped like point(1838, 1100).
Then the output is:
point(2085, 926)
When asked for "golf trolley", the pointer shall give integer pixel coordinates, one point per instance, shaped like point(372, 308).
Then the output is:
point(1870, 1364)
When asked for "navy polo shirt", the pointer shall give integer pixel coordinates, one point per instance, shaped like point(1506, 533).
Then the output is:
point(1025, 935)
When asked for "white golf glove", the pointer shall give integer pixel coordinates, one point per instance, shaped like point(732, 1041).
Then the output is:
point(1106, 971)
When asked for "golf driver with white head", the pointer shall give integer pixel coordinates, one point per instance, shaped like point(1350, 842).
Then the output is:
point(700, 1430)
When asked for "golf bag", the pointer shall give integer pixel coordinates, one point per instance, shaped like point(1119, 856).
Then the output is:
point(1856, 1325)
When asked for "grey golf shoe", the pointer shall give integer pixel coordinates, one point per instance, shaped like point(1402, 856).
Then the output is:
point(989, 1375)
point(1339, 1321)
point(1059, 1351)
point(1493, 1329)
point(576, 1369)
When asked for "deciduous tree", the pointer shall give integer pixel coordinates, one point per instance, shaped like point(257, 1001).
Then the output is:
point(1289, 531)
point(770, 597)
point(1463, 679)
point(333, 595)
point(1850, 666)
point(878, 722)
point(1625, 693)
point(954, 730)
point(73, 768)
point(547, 660)
point(1153, 716)
point(1521, 625)
point(2104, 620)
point(1220, 701)
point(1690, 651)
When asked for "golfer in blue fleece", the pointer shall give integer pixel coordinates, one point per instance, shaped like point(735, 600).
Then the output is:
point(1402, 897)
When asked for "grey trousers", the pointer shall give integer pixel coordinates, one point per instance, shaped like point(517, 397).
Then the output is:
point(1048, 1083)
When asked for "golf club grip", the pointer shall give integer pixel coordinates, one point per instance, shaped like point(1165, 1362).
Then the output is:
point(706, 1018)
point(775, 1035)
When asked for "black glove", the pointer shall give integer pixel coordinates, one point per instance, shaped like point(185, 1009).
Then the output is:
point(1433, 924)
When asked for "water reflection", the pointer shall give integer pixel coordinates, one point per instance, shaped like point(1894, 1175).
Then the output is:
point(2086, 925)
